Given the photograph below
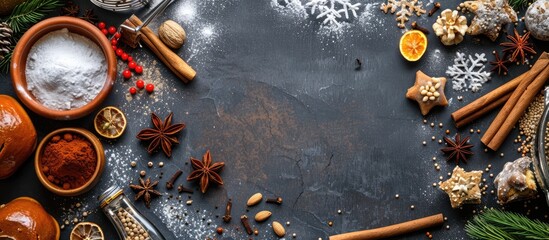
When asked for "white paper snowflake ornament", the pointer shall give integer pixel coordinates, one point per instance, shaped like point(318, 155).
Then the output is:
point(467, 72)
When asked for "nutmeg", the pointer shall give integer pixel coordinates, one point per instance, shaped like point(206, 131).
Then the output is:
point(172, 34)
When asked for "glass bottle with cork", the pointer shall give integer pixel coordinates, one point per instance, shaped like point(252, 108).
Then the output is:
point(129, 223)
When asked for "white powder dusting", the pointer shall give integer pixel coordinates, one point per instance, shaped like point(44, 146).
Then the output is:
point(65, 70)
point(335, 16)
point(291, 8)
point(202, 31)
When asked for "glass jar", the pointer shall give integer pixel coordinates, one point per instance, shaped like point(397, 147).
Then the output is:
point(129, 223)
point(539, 152)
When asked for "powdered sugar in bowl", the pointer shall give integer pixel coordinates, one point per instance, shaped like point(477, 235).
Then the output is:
point(63, 68)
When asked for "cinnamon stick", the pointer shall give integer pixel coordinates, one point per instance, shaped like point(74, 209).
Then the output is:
point(514, 108)
point(466, 119)
point(133, 39)
point(486, 103)
point(155, 50)
point(393, 230)
point(169, 57)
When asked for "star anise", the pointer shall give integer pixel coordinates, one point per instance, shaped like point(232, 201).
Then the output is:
point(500, 64)
point(145, 190)
point(162, 135)
point(459, 149)
point(89, 16)
point(518, 46)
point(70, 9)
point(206, 171)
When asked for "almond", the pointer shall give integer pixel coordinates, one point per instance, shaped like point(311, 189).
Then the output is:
point(255, 199)
point(262, 216)
point(278, 229)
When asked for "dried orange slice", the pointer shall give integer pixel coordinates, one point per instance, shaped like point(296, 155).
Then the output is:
point(110, 122)
point(87, 231)
point(413, 45)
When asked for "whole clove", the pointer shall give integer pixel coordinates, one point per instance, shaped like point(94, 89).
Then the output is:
point(169, 184)
point(246, 224)
point(436, 6)
point(181, 189)
point(277, 200)
point(358, 64)
point(416, 26)
point(227, 217)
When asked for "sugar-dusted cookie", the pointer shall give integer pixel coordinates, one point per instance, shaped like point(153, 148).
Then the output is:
point(463, 187)
point(490, 15)
point(536, 19)
point(516, 181)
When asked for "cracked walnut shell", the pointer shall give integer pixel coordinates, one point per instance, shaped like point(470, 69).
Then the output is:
point(450, 27)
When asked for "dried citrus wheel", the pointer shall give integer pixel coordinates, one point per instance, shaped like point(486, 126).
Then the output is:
point(110, 122)
point(413, 45)
point(87, 231)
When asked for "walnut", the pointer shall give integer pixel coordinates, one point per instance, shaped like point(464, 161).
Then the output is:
point(172, 34)
point(450, 27)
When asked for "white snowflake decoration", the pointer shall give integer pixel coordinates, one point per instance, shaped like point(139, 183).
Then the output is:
point(467, 72)
point(332, 10)
point(406, 9)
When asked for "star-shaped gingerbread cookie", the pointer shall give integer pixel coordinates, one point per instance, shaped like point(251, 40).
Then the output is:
point(463, 187)
point(428, 92)
point(490, 15)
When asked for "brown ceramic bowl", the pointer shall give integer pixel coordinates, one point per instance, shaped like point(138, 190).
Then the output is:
point(98, 169)
point(19, 62)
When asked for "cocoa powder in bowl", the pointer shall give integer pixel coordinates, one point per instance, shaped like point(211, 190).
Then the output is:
point(68, 160)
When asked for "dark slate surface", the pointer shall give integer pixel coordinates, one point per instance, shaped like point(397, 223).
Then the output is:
point(281, 103)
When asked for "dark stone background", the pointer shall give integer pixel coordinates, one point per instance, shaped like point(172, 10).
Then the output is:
point(283, 106)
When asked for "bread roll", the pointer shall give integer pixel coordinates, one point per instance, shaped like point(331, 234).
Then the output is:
point(17, 136)
point(25, 218)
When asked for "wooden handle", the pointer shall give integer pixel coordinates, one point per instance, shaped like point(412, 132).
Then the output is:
point(178, 65)
point(393, 230)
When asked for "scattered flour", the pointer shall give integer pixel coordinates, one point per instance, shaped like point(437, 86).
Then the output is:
point(335, 16)
point(65, 70)
point(202, 32)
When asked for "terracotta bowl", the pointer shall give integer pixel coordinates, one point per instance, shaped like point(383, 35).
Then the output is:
point(98, 147)
point(19, 62)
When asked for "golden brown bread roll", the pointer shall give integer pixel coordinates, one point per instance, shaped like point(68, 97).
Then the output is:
point(17, 136)
point(25, 218)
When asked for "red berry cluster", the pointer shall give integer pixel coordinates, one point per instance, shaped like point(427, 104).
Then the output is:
point(132, 65)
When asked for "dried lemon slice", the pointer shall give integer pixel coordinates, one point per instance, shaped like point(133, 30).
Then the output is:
point(110, 122)
point(87, 231)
